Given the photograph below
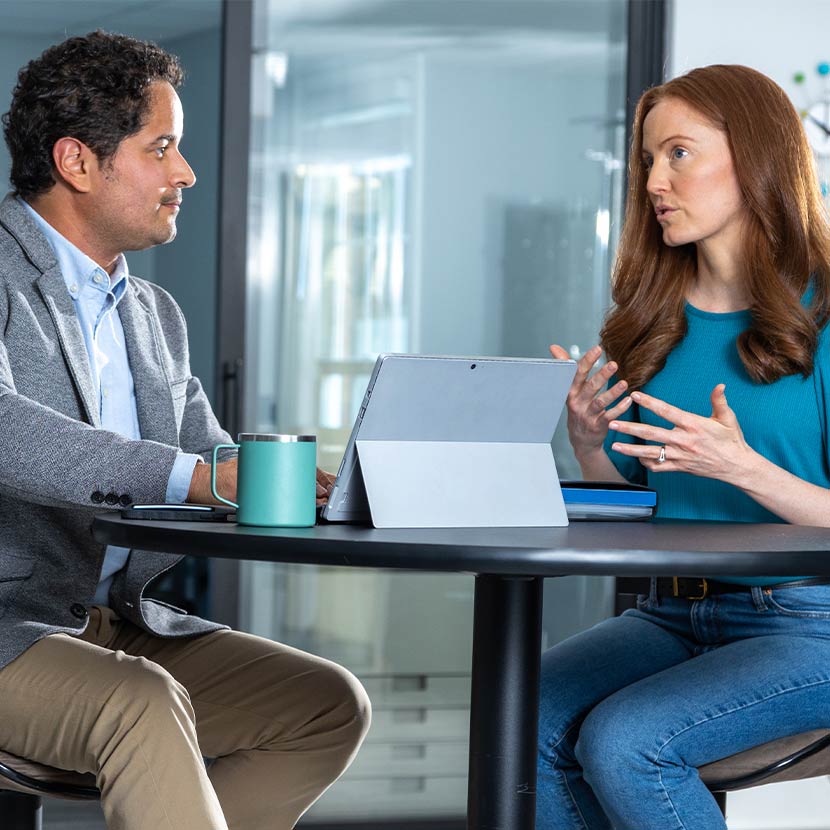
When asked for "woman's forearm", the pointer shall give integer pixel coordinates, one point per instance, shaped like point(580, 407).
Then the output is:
point(793, 499)
point(597, 466)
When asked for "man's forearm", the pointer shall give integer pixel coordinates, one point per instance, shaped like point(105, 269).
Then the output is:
point(200, 492)
point(51, 459)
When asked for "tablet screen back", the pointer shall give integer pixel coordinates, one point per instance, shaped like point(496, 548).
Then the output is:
point(423, 398)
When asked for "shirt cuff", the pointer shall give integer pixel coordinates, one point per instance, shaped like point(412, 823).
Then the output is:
point(178, 485)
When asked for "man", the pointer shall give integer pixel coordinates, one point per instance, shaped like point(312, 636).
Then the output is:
point(98, 407)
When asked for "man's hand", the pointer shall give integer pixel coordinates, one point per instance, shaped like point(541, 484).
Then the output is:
point(199, 492)
point(325, 481)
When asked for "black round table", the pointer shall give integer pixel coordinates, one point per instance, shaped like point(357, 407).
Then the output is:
point(509, 564)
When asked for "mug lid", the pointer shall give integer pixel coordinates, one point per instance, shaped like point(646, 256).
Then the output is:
point(269, 436)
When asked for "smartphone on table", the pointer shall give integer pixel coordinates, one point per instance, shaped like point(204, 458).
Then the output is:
point(178, 512)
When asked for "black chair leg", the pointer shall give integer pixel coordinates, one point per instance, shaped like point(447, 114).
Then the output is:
point(720, 798)
point(19, 811)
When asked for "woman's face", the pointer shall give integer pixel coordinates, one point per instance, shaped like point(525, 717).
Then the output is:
point(691, 178)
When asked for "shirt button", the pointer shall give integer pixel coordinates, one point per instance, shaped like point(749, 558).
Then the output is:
point(97, 279)
point(111, 499)
point(73, 289)
point(78, 610)
point(97, 497)
point(106, 393)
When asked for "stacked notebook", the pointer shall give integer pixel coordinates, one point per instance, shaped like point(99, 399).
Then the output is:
point(608, 501)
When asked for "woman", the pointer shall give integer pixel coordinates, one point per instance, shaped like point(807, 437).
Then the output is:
point(722, 284)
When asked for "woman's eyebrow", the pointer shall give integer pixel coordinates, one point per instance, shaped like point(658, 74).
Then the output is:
point(676, 138)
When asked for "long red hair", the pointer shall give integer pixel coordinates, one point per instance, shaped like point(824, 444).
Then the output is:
point(786, 246)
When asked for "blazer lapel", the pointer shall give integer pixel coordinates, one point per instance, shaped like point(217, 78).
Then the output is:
point(62, 310)
point(154, 400)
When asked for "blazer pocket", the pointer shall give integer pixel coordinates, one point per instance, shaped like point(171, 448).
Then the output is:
point(174, 608)
point(178, 388)
point(14, 571)
point(178, 391)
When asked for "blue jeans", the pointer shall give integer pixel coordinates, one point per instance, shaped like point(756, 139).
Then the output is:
point(632, 707)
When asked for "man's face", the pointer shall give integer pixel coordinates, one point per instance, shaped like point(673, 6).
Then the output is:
point(137, 193)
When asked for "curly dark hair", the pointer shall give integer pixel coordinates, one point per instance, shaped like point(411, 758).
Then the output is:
point(94, 88)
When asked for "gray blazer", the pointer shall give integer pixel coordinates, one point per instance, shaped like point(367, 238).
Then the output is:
point(56, 461)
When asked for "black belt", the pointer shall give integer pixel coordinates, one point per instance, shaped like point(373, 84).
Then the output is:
point(690, 588)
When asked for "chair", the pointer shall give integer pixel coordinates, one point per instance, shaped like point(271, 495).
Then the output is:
point(23, 783)
point(805, 755)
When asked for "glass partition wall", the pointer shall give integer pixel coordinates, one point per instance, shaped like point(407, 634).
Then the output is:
point(433, 176)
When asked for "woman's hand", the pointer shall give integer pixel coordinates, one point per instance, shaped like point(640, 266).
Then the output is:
point(715, 448)
point(711, 447)
point(588, 413)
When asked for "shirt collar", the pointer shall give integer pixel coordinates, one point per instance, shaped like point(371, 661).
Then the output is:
point(77, 269)
point(119, 278)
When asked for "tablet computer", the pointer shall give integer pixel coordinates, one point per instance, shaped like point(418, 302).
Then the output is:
point(427, 421)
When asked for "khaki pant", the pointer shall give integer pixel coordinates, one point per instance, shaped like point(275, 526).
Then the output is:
point(140, 711)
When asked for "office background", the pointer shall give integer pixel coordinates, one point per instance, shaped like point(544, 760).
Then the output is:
point(440, 176)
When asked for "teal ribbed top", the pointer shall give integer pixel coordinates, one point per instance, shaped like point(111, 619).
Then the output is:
point(785, 421)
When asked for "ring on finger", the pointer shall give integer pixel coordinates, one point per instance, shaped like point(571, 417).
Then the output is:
point(662, 457)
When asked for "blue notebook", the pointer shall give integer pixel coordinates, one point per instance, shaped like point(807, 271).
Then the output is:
point(608, 501)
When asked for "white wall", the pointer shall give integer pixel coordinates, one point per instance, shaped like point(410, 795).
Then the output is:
point(779, 39)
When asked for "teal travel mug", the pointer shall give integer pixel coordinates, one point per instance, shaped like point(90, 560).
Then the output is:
point(276, 480)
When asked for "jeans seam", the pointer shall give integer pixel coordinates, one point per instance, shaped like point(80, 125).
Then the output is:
point(758, 600)
point(771, 604)
point(776, 608)
point(717, 621)
point(716, 717)
point(693, 622)
point(561, 772)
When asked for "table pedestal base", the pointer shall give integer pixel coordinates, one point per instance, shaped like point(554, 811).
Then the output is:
point(504, 713)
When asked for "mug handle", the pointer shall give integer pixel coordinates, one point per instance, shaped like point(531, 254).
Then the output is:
point(213, 474)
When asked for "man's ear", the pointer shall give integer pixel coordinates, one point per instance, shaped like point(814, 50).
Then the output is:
point(74, 162)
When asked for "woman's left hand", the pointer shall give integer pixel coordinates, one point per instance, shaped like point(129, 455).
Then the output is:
point(711, 447)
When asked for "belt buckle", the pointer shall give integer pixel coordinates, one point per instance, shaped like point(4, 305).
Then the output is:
point(704, 587)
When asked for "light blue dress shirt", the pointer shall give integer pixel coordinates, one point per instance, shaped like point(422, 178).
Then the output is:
point(96, 295)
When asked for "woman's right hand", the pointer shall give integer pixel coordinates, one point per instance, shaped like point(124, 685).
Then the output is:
point(588, 413)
